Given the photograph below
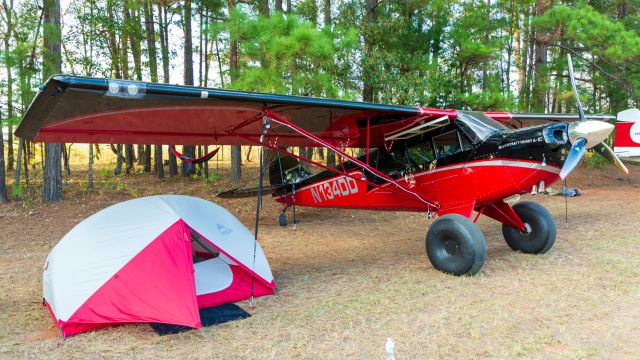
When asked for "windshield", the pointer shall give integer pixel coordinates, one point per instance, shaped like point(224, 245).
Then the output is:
point(477, 125)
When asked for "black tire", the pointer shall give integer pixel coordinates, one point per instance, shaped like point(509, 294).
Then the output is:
point(456, 245)
point(540, 225)
point(282, 219)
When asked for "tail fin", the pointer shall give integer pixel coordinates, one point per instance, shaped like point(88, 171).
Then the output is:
point(285, 169)
point(627, 142)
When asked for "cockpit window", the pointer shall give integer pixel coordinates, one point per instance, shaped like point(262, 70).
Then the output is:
point(421, 154)
point(477, 125)
point(447, 144)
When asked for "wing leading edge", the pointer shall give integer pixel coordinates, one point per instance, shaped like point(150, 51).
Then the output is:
point(91, 110)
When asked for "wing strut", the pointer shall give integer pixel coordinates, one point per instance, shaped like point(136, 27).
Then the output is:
point(399, 188)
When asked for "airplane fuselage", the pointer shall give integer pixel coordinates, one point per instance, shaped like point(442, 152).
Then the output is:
point(459, 167)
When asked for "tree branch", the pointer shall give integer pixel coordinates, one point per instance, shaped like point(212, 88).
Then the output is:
point(628, 88)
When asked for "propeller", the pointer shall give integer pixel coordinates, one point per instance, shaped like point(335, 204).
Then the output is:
point(586, 134)
point(578, 149)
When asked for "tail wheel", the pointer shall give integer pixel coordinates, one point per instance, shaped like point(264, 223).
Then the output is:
point(456, 245)
point(282, 219)
point(540, 229)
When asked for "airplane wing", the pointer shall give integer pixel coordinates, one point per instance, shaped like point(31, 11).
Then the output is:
point(91, 110)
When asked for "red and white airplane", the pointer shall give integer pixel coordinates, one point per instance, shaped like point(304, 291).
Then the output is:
point(450, 163)
point(627, 141)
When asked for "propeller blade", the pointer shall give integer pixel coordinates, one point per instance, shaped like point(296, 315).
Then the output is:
point(604, 150)
point(575, 89)
point(573, 159)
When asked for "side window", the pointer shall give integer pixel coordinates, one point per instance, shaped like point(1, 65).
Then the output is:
point(466, 145)
point(422, 154)
point(447, 144)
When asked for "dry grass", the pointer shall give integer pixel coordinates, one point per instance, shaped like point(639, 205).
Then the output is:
point(347, 280)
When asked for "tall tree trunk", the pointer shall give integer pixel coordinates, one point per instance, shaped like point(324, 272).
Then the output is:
point(114, 49)
point(23, 154)
point(164, 40)
point(133, 19)
point(207, 49)
point(485, 66)
point(541, 81)
point(331, 158)
point(3, 182)
point(523, 74)
point(118, 169)
point(147, 158)
point(7, 48)
point(159, 166)
point(188, 150)
point(90, 180)
point(278, 6)
point(134, 38)
point(173, 164)
point(117, 68)
point(206, 164)
point(201, 49)
point(263, 7)
point(164, 51)
point(153, 71)
point(140, 154)
point(66, 152)
point(16, 175)
point(129, 158)
point(236, 151)
point(151, 40)
point(327, 13)
point(52, 65)
point(367, 82)
point(236, 156)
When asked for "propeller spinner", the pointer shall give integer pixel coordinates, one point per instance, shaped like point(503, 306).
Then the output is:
point(586, 134)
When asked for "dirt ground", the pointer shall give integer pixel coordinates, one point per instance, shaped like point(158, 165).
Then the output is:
point(348, 280)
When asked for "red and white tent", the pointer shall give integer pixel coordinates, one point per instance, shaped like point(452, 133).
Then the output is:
point(152, 259)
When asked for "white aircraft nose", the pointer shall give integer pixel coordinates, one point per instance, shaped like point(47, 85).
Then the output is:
point(593, 131)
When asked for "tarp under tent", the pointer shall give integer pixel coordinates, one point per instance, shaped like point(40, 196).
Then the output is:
point(153, 259)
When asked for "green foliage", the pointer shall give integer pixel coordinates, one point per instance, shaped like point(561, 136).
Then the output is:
point(212, 178)
point(17, 190)
point(284, 54)
point(614, 45)
point(593, 160)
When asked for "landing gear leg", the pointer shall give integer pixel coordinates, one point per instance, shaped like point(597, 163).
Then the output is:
point(456, 245)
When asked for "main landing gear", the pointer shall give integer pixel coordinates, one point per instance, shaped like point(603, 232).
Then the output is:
point(456, 245)
point(540, 229)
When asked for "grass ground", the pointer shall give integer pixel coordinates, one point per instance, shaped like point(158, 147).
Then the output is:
point(348, 280)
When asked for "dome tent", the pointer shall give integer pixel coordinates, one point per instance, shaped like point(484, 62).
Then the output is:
point(152, 259)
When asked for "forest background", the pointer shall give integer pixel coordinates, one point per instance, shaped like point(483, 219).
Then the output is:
point(492, 55)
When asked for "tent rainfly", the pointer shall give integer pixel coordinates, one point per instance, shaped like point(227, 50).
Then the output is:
point(152, 259)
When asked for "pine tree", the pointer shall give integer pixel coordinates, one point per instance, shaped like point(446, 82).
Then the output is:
point(52, 65)
point(187, 150)
point(236, 150)
point(3, 185)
